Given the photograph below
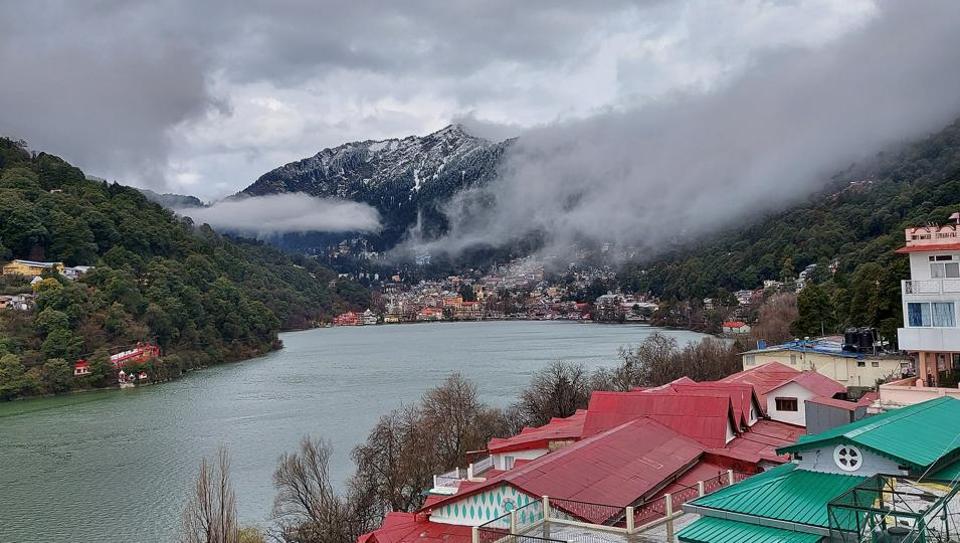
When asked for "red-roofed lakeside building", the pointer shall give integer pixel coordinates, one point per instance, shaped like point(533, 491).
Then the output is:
point(625, 449)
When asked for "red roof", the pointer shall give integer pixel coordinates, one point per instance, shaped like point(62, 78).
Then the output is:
point(539, 438)
point(704, 418)
point(616, 467)
point(833, 402)
point(741, 395)
point(763, 378)
point(761, 442)
point(868, 398)
point(930, 247)
point(398, 526)
point(816, 382)
point(734, 324)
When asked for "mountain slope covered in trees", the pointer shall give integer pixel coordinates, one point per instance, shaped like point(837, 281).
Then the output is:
point(203, 297)
point(857, 222)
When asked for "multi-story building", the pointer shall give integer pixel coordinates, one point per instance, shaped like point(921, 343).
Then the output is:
point(828, 357)
point(930, 300)
point(31, 268)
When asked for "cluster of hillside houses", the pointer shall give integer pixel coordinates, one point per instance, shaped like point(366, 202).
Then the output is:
point(34, 270)
point(780, 452)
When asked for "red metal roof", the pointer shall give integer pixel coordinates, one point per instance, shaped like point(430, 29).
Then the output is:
point(761, 442)
point(704, 418)
point(557, 429)
point(819, 384)
point(398, 527)
point(734, 324)
point(833, 402)
point(930, 247)
point(763, 378)
point(616, 467)
point(741, 395)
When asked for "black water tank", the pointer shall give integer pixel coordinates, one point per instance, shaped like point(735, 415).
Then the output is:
point(851, 340)
point(866, 340)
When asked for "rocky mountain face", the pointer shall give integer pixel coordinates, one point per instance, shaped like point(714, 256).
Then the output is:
point(407, 180)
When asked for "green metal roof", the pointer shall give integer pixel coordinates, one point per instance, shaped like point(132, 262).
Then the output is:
point(950, 472)
point(917, 435)
point(783, 493)
point(716, 530)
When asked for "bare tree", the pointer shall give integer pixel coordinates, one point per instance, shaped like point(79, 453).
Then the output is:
point(397, 461)
point(776, 317)
point(307, 509)
point(555, 391)
point(211, 513)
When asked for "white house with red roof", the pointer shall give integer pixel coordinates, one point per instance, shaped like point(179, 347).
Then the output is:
point(785, 390)
point(627, 449)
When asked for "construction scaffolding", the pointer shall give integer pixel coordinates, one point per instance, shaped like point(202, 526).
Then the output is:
point(896, 509)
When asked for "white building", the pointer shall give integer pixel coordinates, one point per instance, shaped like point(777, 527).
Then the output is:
point(930, 300)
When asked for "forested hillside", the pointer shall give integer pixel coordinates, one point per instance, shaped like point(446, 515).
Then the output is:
point(203, 297)
point(857, 221)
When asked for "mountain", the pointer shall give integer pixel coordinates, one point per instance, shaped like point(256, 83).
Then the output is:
point(407, 180)
point(172, 201)
point(856, 222)
point(203, 297)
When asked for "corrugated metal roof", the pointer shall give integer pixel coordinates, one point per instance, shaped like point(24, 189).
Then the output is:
point(704, 418)
point(741, 395)
point(783, 493)
point(763, 378)
point(817, 383)
point(950, 472)
point(540, 437)
point(919, 434)
point(616, 467)
point(715, 530)
point(398, 527)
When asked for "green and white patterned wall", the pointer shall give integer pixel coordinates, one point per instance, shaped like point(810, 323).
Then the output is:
point(485, 506)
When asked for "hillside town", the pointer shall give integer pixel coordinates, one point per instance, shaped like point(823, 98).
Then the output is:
point(825, 440)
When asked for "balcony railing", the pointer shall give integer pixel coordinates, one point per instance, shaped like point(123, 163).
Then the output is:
point(449, 482)
point(556, 520)
point(931, 286)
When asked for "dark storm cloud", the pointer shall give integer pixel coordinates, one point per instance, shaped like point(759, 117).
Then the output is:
point(655, 175)
point(104, 83)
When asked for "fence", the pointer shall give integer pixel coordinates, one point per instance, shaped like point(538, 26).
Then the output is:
point(593, 513)
point(537, 517)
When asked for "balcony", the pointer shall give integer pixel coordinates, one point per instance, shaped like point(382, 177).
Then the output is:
point(931, 287)
point(555, 520)
point(929, 339)
point(449, 482)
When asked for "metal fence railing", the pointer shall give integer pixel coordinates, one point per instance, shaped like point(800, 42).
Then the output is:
point(482, 465)
point(593, 513)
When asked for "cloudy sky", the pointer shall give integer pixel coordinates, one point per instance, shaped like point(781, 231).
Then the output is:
point(203, 97)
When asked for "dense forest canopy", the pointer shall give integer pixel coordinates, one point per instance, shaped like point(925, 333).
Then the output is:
point(857, 221)
point(203, 297)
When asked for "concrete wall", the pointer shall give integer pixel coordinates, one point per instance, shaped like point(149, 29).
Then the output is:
point(501, 460)
point(485, 506)
point(821, 459)
point(903, 392)
point(847, 371)
point(789, 390)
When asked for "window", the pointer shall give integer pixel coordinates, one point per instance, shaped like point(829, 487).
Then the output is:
point(793, 359)
point(935, 314)
point(786, 404)
point(940, 270)
point(875, 363)
point(861, 364)
point(751, 359)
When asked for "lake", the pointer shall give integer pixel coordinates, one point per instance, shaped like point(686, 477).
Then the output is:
point(116, 466)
